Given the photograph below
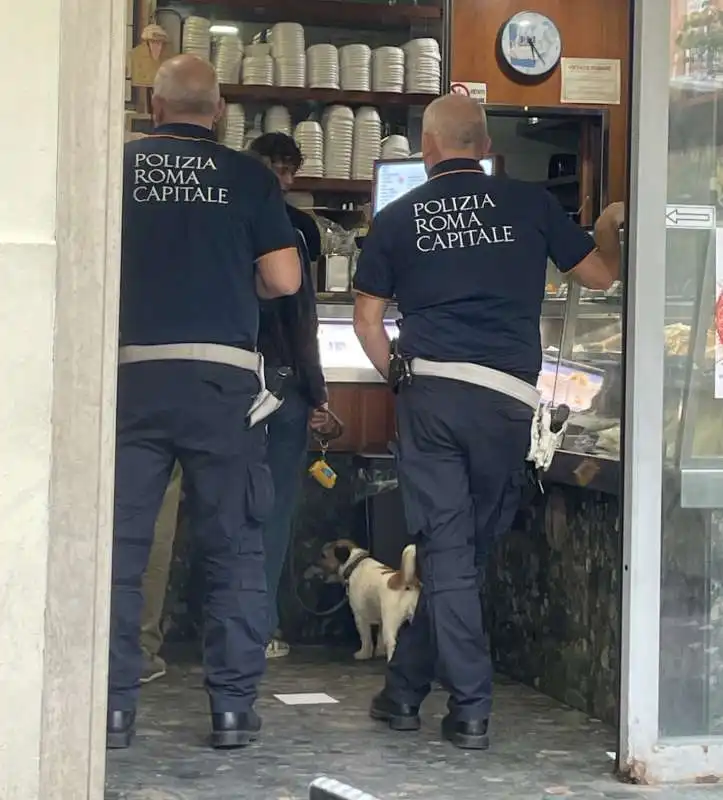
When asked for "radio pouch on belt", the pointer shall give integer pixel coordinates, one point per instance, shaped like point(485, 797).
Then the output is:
point(548, 430)
point(400, 368)
point(268, 399)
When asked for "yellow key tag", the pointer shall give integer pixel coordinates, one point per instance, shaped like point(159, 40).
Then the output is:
point(321, 472)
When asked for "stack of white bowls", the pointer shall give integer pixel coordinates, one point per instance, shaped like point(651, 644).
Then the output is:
point(395, 146)
point(309, 135)
point(388, 69)
point(235, 128)
point(322, 66)
point(355, 62)
point(423, 73)
point(253, 134)
point(288, 48)
point(367, 143)
point(277, 120)
point(257, 68)
point(227, 57)
point(197, 37)
point(338, 122)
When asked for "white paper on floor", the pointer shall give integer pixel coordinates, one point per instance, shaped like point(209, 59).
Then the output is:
point(305, 699)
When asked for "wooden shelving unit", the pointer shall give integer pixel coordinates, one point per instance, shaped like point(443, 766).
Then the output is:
point(329, 13)
point(238, 93)
point(332, 186)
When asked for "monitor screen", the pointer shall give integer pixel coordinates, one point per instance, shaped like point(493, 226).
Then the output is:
point(392, 179)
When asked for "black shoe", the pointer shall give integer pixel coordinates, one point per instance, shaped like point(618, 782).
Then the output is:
point(400, 716)
point(470, 735)
point(120, 729)
point(232, 729)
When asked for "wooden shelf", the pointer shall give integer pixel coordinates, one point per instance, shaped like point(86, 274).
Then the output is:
point(332, 186)
point(331, 13)
point(237, 93)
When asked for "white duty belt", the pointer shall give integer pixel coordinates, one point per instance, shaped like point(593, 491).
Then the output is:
point(543, 440)
point(264, 404)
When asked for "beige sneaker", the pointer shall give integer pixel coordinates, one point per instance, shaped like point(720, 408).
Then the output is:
point(154, 667)
point(277, 648)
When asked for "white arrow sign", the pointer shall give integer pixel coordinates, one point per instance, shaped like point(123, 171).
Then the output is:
point(690, 217)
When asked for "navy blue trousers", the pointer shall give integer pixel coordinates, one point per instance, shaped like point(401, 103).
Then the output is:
point(286, 454)
point(462, 471)
point(195, 413)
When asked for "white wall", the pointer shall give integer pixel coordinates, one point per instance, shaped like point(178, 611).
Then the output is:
point(28, 166)
point(61, 97)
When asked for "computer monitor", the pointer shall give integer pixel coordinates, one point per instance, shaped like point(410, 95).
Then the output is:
point(396, 177)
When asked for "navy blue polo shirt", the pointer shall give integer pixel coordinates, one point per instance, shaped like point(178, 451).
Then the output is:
point(196, 217)
point(465, 257)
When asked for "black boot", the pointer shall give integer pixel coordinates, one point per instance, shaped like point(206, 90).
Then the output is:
point(120, 729)
point(467, 735)
point(232, 729)
point(400, 716)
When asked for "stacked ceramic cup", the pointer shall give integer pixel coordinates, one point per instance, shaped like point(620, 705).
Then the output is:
point(289, 51)
point(257, 68)
point(277, 120)
point(310, 138)
point(367, 143)
point(338, 122)
point(395, 146)
point(234, 127)
point(388, 69)
point(253, 132)
point(423, 73)
point(197, 37)
point(322, 66)
point(227, 57)
point(355, 62)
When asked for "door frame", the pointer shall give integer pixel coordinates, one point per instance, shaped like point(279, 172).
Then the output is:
point(643, 755)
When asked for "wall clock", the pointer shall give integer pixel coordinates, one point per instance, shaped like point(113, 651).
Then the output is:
point(530, 45)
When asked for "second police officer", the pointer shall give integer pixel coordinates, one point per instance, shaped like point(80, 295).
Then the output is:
point(465, 256)
point(205, 232)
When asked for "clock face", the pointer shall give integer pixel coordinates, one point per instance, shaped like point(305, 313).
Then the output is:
point(531, 44)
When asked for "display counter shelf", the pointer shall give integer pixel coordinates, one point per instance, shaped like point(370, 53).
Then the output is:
point(289, 95)
point(331, 13)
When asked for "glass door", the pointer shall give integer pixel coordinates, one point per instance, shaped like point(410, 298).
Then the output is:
point(672, 677)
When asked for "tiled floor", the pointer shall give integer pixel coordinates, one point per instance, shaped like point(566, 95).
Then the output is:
point(539, 749)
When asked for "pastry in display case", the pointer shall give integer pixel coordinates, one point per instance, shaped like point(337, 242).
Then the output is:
point(582, 340)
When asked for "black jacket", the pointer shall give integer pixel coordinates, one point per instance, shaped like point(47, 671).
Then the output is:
point(288, 333)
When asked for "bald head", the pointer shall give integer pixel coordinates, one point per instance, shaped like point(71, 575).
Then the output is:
point(186, 90)
point(454, 126)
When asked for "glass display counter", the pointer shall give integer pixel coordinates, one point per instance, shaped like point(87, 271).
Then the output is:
point(342, 357)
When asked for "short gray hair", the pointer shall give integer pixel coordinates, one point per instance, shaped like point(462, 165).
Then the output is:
point(188, 85)
point(458, 122)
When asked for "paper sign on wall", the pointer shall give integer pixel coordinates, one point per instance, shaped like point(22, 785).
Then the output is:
point(591, 81)
point(477, 91)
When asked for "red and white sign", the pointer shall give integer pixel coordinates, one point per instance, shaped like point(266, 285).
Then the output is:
point(477, 91)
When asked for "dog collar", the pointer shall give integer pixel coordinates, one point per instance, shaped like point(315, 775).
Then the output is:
point(349, 568)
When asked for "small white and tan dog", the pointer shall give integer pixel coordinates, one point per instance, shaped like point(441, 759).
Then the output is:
point(378, 594)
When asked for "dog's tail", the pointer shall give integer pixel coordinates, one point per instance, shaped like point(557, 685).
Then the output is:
point(409, 566)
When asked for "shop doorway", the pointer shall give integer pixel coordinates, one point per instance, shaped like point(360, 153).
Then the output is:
point(540, 743)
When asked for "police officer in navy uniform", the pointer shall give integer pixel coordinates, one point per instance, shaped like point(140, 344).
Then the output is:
point(465, 257)
point(205, 233)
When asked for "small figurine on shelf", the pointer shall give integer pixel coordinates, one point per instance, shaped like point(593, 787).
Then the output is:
point(148, 56)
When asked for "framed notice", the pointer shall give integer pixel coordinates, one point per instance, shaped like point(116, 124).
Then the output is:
point(591, 81)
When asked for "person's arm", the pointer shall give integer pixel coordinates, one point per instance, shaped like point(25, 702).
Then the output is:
point(374, 288)
point(592, 262)
point(370, 330)
point(278, 269)
point(307, 325)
